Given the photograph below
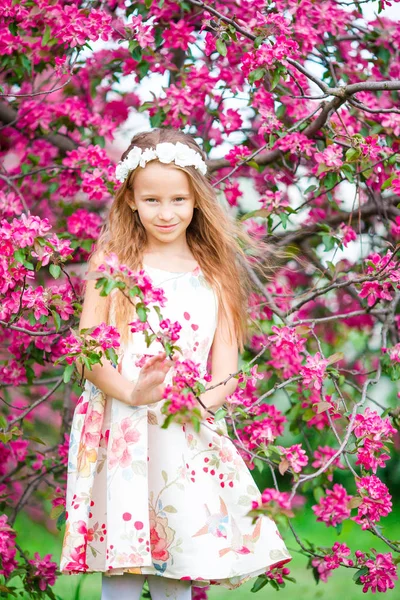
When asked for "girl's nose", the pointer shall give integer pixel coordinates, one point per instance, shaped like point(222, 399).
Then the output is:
point(166, 214)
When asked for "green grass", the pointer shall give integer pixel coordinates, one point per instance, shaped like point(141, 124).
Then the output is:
point(35, 538)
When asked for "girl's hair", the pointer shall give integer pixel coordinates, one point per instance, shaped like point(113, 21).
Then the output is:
point(216, 241)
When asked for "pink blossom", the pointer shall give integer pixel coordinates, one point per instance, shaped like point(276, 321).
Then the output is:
point(144, 33)
point(232, 192)
point(376, 501)
point(44, 570)
point(7, 547)
point(170, 330)
point(275, 502)
point(295, 456)
point(336, 557)
point(322, 455)
point(107, 336)
point(71, 345)
point(347, 233)
point(179, 34)
point(374, 291)
point(381, 574)
point(84, 224)
point(370, 455)
point(263, 431)
point(277, 574)
point(314, 371)
point(333, 508)
point(370, 424)
point(231, 120)
point(237, 154)
point(330, 157)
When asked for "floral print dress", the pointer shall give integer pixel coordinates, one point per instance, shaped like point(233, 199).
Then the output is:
point(171, 502)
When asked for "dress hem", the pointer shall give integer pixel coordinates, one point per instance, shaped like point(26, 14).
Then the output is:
point(227, 582)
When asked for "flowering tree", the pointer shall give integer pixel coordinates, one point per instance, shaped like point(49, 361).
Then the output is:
point(301, 100)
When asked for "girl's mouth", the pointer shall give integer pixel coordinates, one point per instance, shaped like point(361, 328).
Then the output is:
point(167, 227)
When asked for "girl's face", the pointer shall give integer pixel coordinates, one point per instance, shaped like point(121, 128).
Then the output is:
point(164, 200)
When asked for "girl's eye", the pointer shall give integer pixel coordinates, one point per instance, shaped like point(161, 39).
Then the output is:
point(178, 199)
point(151, 200)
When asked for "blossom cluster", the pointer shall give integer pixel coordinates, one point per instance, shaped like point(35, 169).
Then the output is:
point(380, 575)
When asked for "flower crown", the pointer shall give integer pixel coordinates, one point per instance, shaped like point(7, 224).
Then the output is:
point(181, 154)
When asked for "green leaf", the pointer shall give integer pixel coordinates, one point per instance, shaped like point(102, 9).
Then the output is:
point(99, 140)
point(259, 583)
point(157, 119)
point(46, 36)
point(221, 47)
point(68, 373)
point(275, 79)
point(284, 219)
point(347, 171)
point(55, 271)
point(136, 54)
point(57, 319)
point(311, 188)
point(37, 440)
point(256, 74)
point(352, 154)
point(258, 41)
point(111, 355)
point(19, 256)
point(141, 312)
point(220, 414)
point(362, 571)
point(386, 184)
point(145, 106)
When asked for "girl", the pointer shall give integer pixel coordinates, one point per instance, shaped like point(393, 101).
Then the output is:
point(169, 505)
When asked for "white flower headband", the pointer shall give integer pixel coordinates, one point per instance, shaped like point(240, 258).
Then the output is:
point(181, 154)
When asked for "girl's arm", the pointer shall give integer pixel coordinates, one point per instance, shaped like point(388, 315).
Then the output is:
point(148, 388)
point(224, 361)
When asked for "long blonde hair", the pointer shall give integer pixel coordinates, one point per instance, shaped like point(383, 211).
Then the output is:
point(216, 241)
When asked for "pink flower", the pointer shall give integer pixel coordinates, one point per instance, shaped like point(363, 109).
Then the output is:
point(107, 336)
point(348, 234)
point(376, 501)
point(144, 33)
point(381, 574)
point(314, 371)
point(179, 34)
point(84, 224)
point(43, 570)
point(333, 508)
point(231, 120)
point(275, 502)
point(333, 560)
point(322, 455)
point(277, 574)
point(295, 457)
point(369, 455)
point(7, 548)
point(330, 157)
point(370, 424)
point(374, 291)
point(237, 154)
point(232, 192)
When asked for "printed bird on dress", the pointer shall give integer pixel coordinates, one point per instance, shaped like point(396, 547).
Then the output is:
point(243, 544)
point(216, 523)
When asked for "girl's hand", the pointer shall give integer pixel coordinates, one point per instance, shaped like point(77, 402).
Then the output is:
point(149, 387)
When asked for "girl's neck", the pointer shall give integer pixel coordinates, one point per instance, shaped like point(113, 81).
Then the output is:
point(170, 261)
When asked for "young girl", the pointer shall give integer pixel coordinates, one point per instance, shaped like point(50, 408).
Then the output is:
point(169, 505)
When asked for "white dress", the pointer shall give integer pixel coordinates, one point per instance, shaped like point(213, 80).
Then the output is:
point(171, 502)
